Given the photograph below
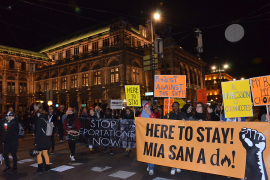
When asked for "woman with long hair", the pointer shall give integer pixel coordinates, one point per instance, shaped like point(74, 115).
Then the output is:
point(42, 142)
point(147, 113)
point(200, 113)
point(71, 127)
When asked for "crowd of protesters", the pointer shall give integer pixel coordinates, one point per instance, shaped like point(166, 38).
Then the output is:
point(65, 123)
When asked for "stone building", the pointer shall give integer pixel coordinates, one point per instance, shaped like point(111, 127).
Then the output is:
point(213, 85)
point(92, 66)
point(16, 85)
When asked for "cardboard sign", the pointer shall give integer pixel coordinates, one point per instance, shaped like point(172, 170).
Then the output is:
point(237, 99)
point(180, 101)
point(212, 147)
point(133, 95)
point(170, 86)
point(201, 96)
point(260, 87)
point(116, 104)
point(165, 110)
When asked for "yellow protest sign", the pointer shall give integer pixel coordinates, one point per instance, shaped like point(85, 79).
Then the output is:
point(237, 99)
point(230, 148)
point(133, 95)
point(180, 101)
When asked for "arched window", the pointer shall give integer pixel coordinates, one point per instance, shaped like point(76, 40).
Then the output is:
point(73, 71)
point(97, 66)
point(23, 66)
point(135, 64)
point(114, 63)
point(85, 68)
point(11, 64)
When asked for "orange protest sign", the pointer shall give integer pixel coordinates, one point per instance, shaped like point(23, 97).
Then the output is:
point(201, 95)
point(165, 110)
point(260, 87)
point(170, 86)
point(228, 148)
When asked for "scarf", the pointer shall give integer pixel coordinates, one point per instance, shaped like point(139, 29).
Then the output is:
point(200, 116)
point(144, 114)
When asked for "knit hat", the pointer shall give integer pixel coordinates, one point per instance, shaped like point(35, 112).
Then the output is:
point(185, 107)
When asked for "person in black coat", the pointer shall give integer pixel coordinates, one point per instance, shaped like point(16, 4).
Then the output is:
point(11, 141)
point(42, 142)
point(213, 115)
point(52, 118)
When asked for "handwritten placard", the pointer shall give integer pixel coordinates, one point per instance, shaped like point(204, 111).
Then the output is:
point(170, 86)
point(260, 87)
point(166, 104)
point(133, 95)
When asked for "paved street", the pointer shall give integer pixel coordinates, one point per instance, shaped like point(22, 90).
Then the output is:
point(97, 166)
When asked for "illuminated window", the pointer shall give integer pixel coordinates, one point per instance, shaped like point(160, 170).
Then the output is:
point(214, 78)
point(95, 45)
point(97, 78)
point(76, 50)
point(74, 81)
point(11, 87)
point(106, 42)
point(23, 88)
point(64, 83)
point(54, 83)
point(85, 48)
point(85, 79)
point(23, 66)
point(210, 93)
point(46, 85)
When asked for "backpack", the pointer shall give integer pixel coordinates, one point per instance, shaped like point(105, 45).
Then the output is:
point(21, 131)
point(49, 129)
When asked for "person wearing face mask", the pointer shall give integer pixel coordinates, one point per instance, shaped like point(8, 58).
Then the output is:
point(71, 127)
point(147, 113)
point(187, 109)
point(11, 141)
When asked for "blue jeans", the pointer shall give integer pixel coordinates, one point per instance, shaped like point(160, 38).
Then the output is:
point(150, 166)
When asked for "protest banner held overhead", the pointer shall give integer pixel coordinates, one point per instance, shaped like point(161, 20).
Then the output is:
point(237, 99)
point(133, 95)
point(227, 149)
point(166, 104)
point(260, 87)
point(116, 104)
point(170, 86)
point(201, 95)
point(108, 132)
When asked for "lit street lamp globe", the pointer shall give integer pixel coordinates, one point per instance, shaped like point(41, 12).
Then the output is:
point(156, 16)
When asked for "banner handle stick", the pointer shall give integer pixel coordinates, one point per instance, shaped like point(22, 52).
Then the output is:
point(267, 109)
point(134, 112)
point(169, 106)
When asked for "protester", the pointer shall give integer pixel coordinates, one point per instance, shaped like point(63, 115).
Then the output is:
point(147, 113)
point(84, 113)
point(11, 141)
point(265, 117)
point(108, 115)
point(213, 115)
point(187, 109)
point(71, 127)
point(99, 113)
point(156, 113)
point(53, 119)
point(128, 115)
point(92, 114)
point(59, 123)
point(199, 113)
point(37, 106)
point(42, 142)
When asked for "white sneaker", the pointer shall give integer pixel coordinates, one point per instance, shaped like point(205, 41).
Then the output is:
point(173, 172)
point(178, 170)
point(147, 168)
point(72, 158)
point(151, 172)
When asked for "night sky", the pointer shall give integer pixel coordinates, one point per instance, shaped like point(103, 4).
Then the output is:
point(31, 24)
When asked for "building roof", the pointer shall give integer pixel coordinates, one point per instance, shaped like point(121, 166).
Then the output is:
point(23, 53)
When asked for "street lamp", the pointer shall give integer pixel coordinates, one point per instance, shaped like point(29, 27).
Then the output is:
point(214, 67)
point(157, 17)
point(242, 78)
point(225, 66)
point(234, 79)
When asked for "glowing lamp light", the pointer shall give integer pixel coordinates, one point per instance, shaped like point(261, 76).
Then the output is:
point(156, 16)
point(125, 100)
point(234, 79)
point(50, 103)
point(242, 78)
point(226, 66)
point(214, 67)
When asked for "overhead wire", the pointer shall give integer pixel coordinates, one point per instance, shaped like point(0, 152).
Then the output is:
point(253, 12)
point(255, 16)
point(64, 12)
point(11, 31)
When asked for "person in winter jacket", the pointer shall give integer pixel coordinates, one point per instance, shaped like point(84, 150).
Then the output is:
point(42, 142)
point(147, 113)
point(213, 115)
point(71, 127)
point(187, 109)
point(11, 141)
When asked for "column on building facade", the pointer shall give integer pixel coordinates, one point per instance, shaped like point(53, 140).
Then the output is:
point(80, 49)
point(89, 46)
point(89, 98)
point(71, 51)
point(67, 100)
point(79, 99)
point(106, 71)
point(79, 80)
point(90, 78)
point(17, 103)
point(68, 82)
point(100, 43)
point(64, 54)
point(17, 85)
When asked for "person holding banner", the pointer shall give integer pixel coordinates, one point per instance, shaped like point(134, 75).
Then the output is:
point(128, 115)
point(187, 109)
point(266, 117)
point(176, 115)
point(199, 113)
point(213, 115)
point(92, 116)
point(147, 113)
